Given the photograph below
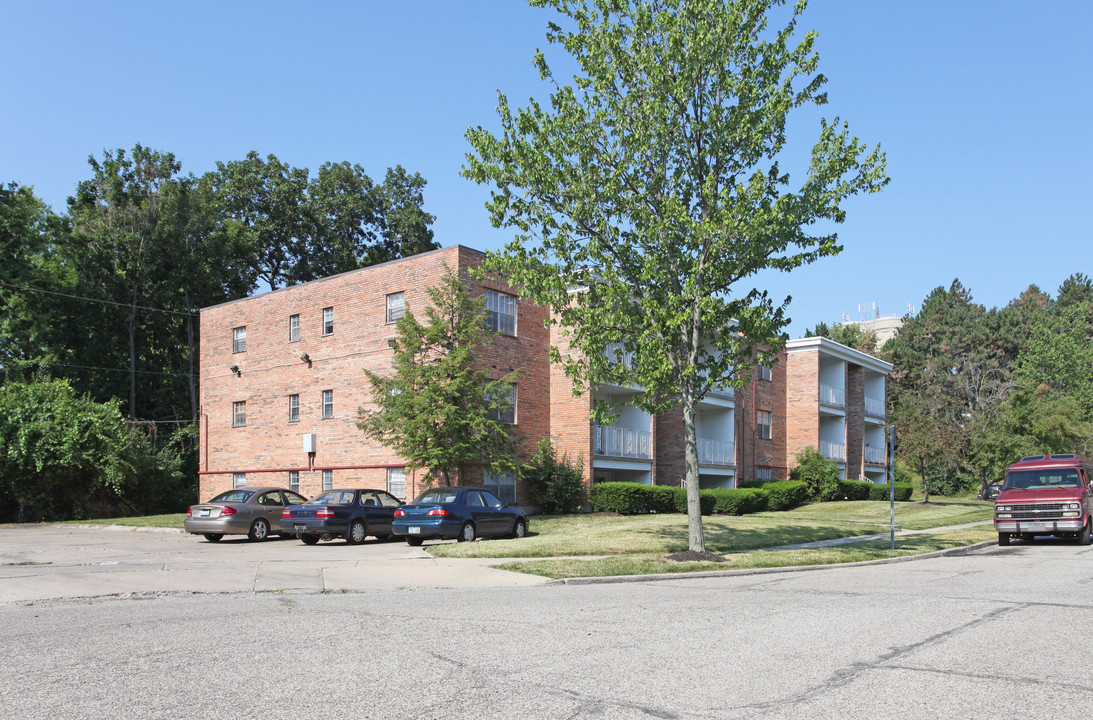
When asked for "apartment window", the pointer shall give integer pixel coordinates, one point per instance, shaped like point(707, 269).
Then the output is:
point(328, 321)
point(239, 480)
point(239, 339)
point(503, 485)
point(328, 479)
point(239, 413)
point(764, 474)
point(396, 306)
point(501, 312)
point(505, 397)
point(294, 480)
point(763, 373)
point(294, 328)
point(762, 424)
point(328, 403)
point(293, 408)
point(396, 482)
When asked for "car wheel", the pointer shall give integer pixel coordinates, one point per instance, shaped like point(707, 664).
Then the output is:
point(309, 539)
point(259, 530)
point(356, 533)
point(413, 542)
point(466, 533)
point(520, 529)
point(1003, 538)
point(213, 537)
point(1085, 537)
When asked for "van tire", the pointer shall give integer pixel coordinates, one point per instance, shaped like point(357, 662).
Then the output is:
point(1085, 537)
point(1003, 538)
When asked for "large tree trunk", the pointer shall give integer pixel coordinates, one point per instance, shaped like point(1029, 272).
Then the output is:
point(696, 540)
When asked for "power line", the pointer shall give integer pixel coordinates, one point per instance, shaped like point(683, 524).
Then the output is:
point(96, 300)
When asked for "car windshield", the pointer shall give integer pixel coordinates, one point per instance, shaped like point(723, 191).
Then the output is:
point(437, 497)
point(233, 496)
point(334, 497)
point(1041, 479)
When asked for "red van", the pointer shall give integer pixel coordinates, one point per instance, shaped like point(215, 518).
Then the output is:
point(1046, 495)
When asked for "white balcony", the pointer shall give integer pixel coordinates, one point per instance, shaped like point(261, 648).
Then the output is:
point(875, 455)
point(830, 395)
point(874, 407)
point(619, 441)
point(833, 450)
point(716, 452)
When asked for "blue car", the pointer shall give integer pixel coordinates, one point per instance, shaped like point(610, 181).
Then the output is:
point(463, 513)
point(352, 514)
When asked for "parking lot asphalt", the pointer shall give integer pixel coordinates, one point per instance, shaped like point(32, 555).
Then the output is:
point(58, 561)
point(39, 562)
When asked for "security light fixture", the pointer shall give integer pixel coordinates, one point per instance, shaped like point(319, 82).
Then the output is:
point(235, 369)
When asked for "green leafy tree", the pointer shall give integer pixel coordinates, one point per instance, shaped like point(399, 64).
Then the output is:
point(439, 409)
point(652, 183)
point(64, 456)
point(847, 334)
point(555, 481)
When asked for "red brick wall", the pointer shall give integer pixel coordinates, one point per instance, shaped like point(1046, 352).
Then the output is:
point(802, 403)
point(855, 421)
point(271, 369)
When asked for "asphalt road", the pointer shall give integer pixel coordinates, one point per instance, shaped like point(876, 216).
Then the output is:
point(998, 633)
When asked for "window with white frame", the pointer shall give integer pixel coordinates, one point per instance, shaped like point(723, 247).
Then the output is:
point(764, 474)
point(239, 480)
point(763, 372)
point(293, 408)
point(762, 424)
point(239, 339)
point(396, 306)
point(505, 398)
point(501, 312)
point(328, 404)
point(396, 482)
point(328, 479)
point(503, 485)
point(294, 480)
point(239, 413)
point(294, 328)
point(328, 321)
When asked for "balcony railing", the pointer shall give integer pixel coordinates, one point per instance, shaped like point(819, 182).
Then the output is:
point(716, 452)
point(833, 450)
point(874, 407)
point(830, 395)
point(875, 455)
point(619, 441)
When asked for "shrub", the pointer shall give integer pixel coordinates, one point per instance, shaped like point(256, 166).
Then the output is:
point(784, 494)
point(556, 482)
point(818, 473)
point(853, 490)
point(706, 500)
point(739, 501)
point(627, 498)
point(881, 492)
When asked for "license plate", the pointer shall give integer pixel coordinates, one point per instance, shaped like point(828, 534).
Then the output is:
point(414, 530)
point(300, 528)
point(1037, 526)
point(204, 513)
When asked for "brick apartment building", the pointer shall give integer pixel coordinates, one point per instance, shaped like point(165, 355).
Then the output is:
point(282, 378)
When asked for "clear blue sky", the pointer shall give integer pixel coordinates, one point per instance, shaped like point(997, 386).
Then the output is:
point(983, 107)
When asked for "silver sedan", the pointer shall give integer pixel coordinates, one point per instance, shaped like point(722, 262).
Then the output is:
point(253, 512)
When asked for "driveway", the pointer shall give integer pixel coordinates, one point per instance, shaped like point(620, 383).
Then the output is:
point(39, 562)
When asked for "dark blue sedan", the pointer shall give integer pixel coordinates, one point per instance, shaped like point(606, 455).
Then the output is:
point(458, 512)
point(352, 514)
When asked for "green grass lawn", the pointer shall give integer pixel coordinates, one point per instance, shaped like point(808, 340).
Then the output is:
point(597, 535)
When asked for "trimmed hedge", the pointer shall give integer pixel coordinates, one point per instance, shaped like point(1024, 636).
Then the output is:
point(784, 494)
point(853, 490)
point(880, 492)
point(739, 501)
point(627, 498)
point(706, 500)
